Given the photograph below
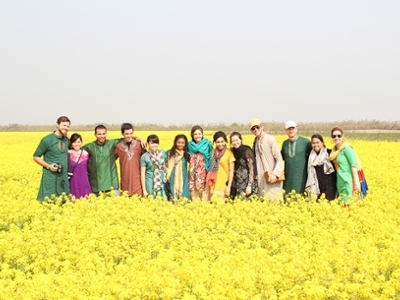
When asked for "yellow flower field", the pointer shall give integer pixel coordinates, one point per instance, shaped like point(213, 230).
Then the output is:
point(131, 248)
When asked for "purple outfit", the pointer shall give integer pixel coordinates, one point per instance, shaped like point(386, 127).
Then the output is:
point(79, 182)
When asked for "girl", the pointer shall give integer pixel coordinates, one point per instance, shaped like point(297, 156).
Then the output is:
point(177, 169)
point(220, 173)
point(245, 175)
point(321, 173)
point(199, 149)
point(152, 168)
point(78, 168)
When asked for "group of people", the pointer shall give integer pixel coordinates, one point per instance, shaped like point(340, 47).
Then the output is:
point(196, 169)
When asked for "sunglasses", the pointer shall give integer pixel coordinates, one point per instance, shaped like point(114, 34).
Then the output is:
point(336, 136)
point(256, 127)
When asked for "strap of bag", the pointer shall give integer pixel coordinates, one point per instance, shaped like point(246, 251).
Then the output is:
point(77, 162)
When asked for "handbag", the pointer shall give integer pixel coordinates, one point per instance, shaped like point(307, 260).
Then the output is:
point(363, 182)
point(280, 178)
point(71, 171)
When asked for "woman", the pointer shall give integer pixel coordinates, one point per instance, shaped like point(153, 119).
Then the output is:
point(177, 170)
point(78, 168)
point(152, 168)
point(321, 177)
point(245, 173)
point(222, 166)
point(345, 160)
point(199, 149)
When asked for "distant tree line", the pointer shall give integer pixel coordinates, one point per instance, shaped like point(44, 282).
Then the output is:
point(272, 127)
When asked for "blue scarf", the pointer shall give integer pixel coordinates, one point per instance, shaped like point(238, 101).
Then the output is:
point(203, 147)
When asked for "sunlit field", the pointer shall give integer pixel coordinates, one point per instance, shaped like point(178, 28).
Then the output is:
point(132, 248)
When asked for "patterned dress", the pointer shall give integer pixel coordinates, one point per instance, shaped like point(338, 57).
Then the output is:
point(154, 179)
point(245, 172)
point(183, 190)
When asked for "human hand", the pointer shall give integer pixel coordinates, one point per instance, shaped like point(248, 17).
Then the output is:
point(248, 190)
point(227, 191)
point(272, 178)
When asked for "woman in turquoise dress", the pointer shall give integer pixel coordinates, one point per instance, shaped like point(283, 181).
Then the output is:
point(152, 168)
point(177, 160)
point(345, 160)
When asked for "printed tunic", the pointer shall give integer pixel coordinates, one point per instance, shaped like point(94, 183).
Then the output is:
point(129, 161)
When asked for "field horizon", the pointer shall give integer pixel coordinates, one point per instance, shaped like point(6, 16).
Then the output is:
point(362, 129)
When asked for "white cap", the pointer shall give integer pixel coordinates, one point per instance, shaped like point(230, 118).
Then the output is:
point(290, 123)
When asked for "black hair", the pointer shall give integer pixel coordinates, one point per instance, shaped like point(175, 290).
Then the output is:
point(100, 126)
point(237, 134)
point(173, 149)
point(317, 136)
point(126, 126)
point(219, 134)
point(73, 138)
point(152, 138)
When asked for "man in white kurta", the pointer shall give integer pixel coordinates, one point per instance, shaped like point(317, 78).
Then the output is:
point(269, 159)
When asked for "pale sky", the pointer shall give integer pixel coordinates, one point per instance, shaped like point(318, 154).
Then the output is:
point(187, 62)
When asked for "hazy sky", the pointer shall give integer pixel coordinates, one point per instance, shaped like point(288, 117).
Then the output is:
point(186, 62)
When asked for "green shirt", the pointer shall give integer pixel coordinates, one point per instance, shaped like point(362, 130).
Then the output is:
point(295, 154)
point(54, 149)
point(102, 168)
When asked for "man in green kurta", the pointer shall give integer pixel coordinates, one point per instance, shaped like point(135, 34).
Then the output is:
point(102, 169)
point(54, 150)
point(295, 152)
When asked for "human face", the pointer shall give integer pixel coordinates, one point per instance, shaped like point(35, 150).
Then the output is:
point(316, 144)
point(256, 130)
point(128, 135)
point(180, 144)
point(153, 147)
point(220, 142)
point(101, 135)
point(197, 136)
point(62, 128)
point(77, 144)
point(291, 133)
point(337, 137)
point(236, 142)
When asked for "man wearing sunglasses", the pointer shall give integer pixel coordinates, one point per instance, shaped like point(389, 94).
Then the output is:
point(295, 152)
point(269, 162)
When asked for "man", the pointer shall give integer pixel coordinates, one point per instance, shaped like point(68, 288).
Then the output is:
point(129, 152)
point(268, 159)
point(54, 150)
point(102, 169)
point(295, 152)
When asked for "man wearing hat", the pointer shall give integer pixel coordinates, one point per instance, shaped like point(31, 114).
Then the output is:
point(295, 152)
point(268, 159)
